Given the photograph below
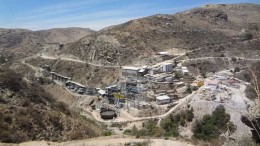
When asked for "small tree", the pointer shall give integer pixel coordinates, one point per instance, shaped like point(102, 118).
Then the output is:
point(189, 90)
point(195, 88)
point(182, 122)
point(237, 69)
point(234, 59)
point(248, 35)
point(178, 75)
point(134, 130)
point(211, 126)
point(189, 115)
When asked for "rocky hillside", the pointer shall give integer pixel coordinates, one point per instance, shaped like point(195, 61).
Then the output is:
point(27, 113)
point(86, 74)
point(65, 35)
point(25, 42)
point(139, 39)
point(11, 38)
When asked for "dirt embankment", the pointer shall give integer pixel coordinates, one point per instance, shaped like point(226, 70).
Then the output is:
point(105, 141)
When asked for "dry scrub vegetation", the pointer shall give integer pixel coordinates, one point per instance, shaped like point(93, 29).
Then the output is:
point(27, 113)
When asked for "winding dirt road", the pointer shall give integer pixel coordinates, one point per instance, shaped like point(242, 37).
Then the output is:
point(75, 60)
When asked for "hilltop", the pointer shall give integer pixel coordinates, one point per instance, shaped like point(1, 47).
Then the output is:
point(218, 31)
point(24, 42)
point(138, 39)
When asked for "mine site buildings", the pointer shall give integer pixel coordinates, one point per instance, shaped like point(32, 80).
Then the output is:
point(163, 99)
point(59, 77)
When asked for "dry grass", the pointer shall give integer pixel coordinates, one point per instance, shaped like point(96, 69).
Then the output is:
point(27, 112)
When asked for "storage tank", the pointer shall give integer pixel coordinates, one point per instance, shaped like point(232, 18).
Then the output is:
point(107, 113)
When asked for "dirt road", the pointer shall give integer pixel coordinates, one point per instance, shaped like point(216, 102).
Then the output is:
point(76, 60)
point(103, 141)
point(182, 102)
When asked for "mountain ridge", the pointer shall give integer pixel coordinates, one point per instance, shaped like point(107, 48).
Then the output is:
point(140, 38)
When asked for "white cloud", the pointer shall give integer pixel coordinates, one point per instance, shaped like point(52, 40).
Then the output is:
point(62, 8)
point(67, 14)
point(95, 20)
point(97, 24)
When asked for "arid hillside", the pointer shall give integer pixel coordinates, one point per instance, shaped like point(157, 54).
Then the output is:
point(222, 37)
point(138, 39)
point(206, 40)
point(83, 73)
point(65, 35)
point(27, 112)
point(25, 42)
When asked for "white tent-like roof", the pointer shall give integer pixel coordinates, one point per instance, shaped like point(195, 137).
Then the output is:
point(141, 70)
point(130, 68)
point(163, 97)
point(101, 92)
point(163, 53)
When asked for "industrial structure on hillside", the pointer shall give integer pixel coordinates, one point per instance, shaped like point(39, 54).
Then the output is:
point(139, 88)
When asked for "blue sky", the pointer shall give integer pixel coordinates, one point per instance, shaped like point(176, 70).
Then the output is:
point(94, 14)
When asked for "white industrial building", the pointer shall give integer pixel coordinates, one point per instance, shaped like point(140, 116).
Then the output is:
point(167, 67)
point(163, 99)
point(184, 70)
point(162, 67)
point(130, 71)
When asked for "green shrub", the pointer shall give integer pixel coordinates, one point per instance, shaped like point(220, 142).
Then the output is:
point(195, 88)
point(234, 59)
point(134, 130)
point(6, 136)
point(250, 92)
point(247, 77)
point(107, 133)
point(173, 131)
point(152, 128)
point(96, 69)
point(171, 123)
point(176, 118)
point(128, 132)
point(231, 127)
point(189, 115)
point(142, 132)
point(2, 60)
point(182, 122)
point(205, 130)
point(178, 75)
point(237, 69)
point(189, 89)
point(168, 126)
point(248, 35)
point(211, 126)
